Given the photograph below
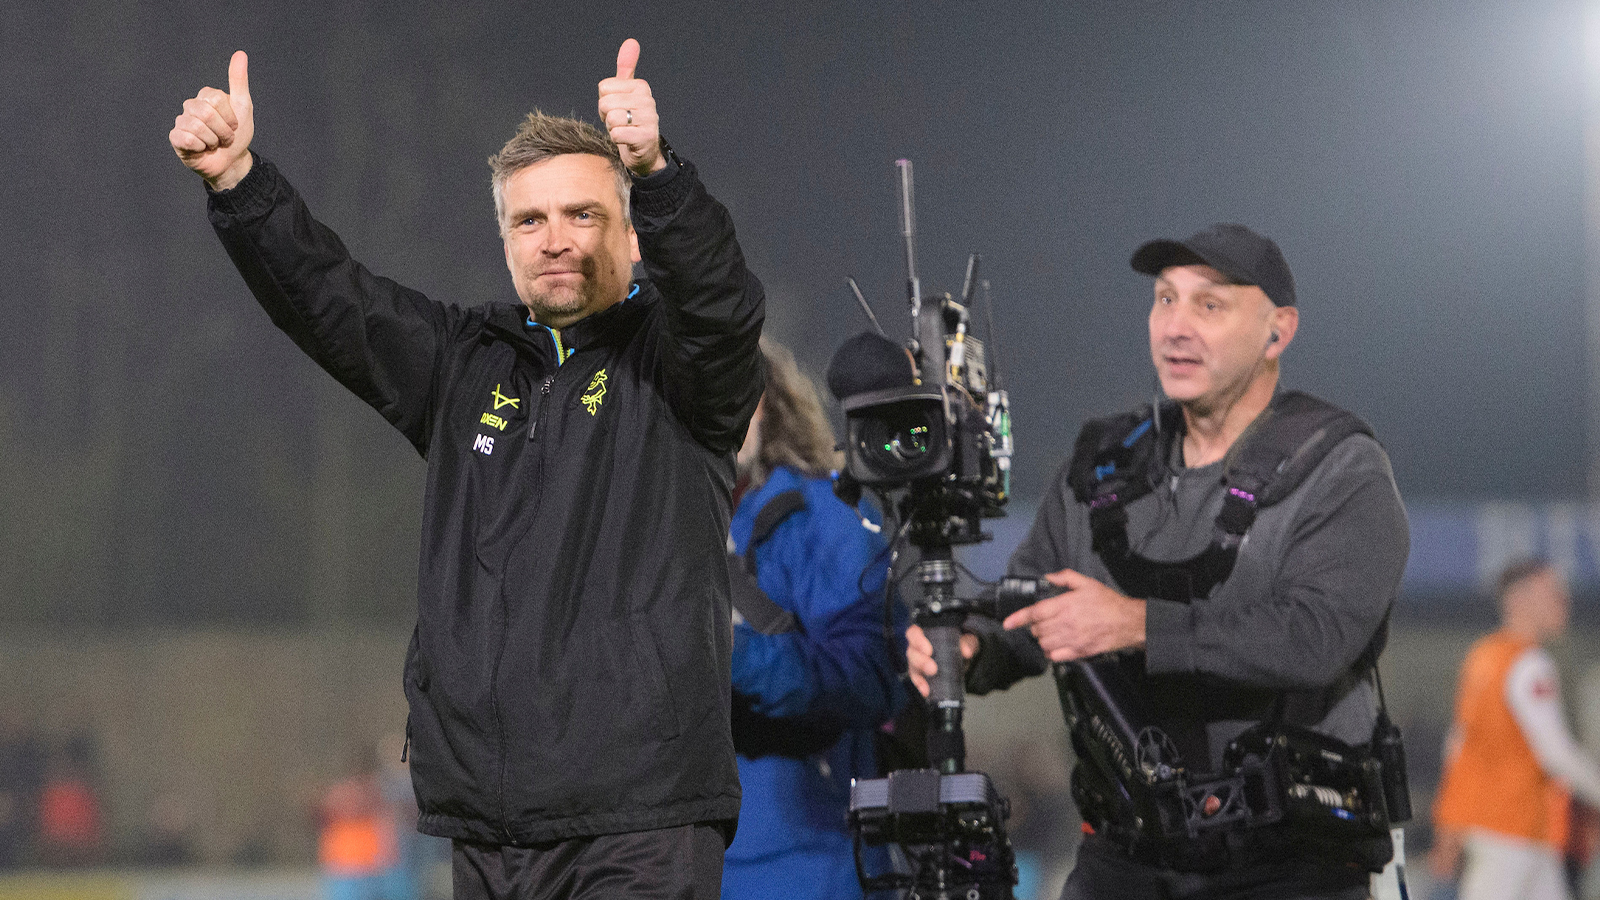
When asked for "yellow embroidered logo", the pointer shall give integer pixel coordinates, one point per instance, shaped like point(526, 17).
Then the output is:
point(595, 392)
point(494, 420)
point(502, 400)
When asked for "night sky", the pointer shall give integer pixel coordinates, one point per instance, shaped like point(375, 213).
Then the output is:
point(167, 457)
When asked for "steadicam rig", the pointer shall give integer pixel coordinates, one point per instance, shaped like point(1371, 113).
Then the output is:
point(929, 433)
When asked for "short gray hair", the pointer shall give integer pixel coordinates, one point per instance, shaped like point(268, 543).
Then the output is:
point(541, 137)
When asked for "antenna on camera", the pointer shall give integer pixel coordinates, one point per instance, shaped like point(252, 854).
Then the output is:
point(992, 354)
point(865, 307)
point(966, 283)
point(908, 230)
point(927, 326)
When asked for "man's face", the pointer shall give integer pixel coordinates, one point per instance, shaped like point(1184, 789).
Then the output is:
point(569, 249)
point(1208, 337)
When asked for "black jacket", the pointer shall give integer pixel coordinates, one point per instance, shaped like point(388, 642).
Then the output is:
point(569, 673)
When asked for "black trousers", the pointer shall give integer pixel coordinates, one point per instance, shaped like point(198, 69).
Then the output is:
point(682, 863)
point(1104, 872)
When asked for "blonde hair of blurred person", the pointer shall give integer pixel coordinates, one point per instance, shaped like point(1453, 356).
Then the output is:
point(790, 427)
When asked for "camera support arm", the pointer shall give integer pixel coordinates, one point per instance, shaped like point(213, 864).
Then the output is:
point(940, 616)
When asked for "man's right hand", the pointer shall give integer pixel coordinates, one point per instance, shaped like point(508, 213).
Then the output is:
point(212, 135)
point(919, 656)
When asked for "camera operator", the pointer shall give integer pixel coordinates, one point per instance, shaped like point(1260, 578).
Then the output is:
point(812, 673)
point(1291, 631)
point(568, 675)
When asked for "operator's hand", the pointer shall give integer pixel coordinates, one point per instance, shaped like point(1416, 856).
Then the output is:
point(212, 135)
point(919, 656)
point(629, 111)
point(1089, 618)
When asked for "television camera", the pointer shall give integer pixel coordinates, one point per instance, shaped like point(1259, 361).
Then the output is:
point(929, 431)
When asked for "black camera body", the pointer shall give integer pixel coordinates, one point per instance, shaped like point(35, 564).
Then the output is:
point(943, 431)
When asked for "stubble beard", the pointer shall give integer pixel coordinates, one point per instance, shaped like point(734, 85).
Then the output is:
point(1224, 394)
point(563, 300)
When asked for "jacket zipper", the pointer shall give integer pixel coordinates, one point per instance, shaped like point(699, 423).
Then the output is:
point(544, 391)
point(534, 416)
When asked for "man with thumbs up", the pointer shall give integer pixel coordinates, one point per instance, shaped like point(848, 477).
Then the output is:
point(568, 678)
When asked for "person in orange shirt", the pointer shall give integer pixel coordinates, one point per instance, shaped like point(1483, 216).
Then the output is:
point(71, 821)
point(358, 848)
point(1510, 757)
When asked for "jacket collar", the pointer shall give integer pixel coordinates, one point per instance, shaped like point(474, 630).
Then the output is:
point(509, 321)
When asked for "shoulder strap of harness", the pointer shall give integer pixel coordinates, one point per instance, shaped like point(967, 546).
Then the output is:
point(1283, 445)
point(763, 614)
point(1116, 459)
point(1120, 459)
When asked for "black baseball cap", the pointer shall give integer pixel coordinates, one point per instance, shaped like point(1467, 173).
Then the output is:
point(1234, 250)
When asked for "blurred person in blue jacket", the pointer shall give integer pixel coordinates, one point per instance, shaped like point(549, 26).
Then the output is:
point(813, 675)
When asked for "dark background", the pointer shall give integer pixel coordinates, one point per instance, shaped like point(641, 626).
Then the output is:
point(168, 458)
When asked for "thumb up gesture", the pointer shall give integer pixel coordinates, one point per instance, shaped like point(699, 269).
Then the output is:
point(629, 111)
point(212, 135)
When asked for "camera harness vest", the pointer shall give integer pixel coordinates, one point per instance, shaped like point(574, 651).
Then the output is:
point(1120, 459)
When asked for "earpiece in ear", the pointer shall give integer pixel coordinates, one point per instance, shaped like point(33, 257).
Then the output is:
point(1274, 338)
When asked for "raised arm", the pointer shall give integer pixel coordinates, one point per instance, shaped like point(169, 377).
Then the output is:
point(714, 305)
point(377, 338)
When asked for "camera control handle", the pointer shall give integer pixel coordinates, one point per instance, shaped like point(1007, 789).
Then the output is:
point(946, 695)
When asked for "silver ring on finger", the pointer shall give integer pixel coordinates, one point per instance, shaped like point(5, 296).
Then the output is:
point(630, 116)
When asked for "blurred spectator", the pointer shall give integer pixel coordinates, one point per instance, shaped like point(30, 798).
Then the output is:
point(359, 849)
point(1502, 802)
point(70, 819)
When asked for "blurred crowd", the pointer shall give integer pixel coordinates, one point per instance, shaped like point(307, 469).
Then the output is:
point(55, 813)
point(51, 812)
point(53, 816)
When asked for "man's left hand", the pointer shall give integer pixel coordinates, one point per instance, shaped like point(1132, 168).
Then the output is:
point(1088, 618)
point(629, 111)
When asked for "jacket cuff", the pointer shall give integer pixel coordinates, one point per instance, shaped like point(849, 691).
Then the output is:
point(660, 194)
point(988, 670)
point(1168, 637)
point(252, 195)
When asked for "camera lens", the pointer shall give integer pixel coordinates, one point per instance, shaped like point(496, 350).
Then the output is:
point(898, 440)
point(909, 444)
